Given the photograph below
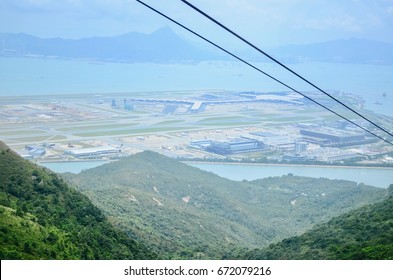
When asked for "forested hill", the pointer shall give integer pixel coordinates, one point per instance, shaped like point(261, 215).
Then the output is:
point(365, 233)
point(42, 218)
point(184, 212)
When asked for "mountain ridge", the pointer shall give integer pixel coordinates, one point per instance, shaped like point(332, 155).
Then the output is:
point(351, 50)
point(190, 213)
point(161, 46)
point(364, 233)
point(41, 217)
point(165, 46)
point(162, 208)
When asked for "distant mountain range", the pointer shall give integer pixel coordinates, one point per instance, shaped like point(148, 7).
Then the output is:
point(344, 51)
point(165, 46)
point(161, 46)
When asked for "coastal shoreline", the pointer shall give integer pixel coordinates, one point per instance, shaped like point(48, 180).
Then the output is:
point(286, 164)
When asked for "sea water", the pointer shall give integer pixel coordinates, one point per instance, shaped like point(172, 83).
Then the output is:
point(39, 76)
point(378, 177)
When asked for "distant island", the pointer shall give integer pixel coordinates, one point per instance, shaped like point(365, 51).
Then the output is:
point(165, 46)
point(352, 50)
point(161, 46)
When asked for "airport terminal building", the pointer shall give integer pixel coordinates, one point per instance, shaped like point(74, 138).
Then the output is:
point(95, 152)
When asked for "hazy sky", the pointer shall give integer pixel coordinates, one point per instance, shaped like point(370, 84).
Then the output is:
point(266, 22)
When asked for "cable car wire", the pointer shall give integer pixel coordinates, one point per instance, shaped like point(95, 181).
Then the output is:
point(262, 72)
point(284, 66)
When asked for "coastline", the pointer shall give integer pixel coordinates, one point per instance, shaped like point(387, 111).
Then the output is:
point(373, 176)
point(287, 165)
point(229, 163)
point(237, 171)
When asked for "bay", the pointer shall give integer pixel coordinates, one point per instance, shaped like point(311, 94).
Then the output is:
point(32, 76)
point(39, 76)
point(71, 166)
point(378, 177)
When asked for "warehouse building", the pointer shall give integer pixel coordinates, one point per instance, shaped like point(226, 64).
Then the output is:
point(300, 147)
point(235, 146)
point(35, 151)
point(200, 144)
point(94, 152)
point(279, 142)
point(331, 136)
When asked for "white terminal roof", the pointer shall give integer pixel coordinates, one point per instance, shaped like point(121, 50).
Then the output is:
point(94, 150)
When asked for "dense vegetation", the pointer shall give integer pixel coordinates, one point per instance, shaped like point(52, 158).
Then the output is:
point(365, 233)
point(178, 211)
point(42, 218)
point(183, 212)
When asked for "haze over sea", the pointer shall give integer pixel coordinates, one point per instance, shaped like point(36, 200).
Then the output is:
point(38, 76)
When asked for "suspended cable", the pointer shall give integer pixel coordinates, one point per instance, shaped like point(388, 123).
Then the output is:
point(284, 66)
point(262, 72)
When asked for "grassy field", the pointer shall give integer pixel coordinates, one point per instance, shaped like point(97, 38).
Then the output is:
point(22, 132)
point(104, 127)
point(138, 131)
point(91, 119)
point(34, 139)
point(169, 122)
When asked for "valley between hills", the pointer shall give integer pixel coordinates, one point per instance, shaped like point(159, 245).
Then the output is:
point(148, 206)
point(183, 212)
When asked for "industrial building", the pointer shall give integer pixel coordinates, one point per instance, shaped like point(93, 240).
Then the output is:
point(196, 107)
point(234, 146)
point(200, 144)
point(332, 154)
point(32, 147)
point(300, 147)
point(332, 137)
point(35, 151)
point(278, 142)
point(94, 152)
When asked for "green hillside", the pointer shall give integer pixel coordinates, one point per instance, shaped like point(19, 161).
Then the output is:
point(365, 233)
point(183, 212)
point(42, 218)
